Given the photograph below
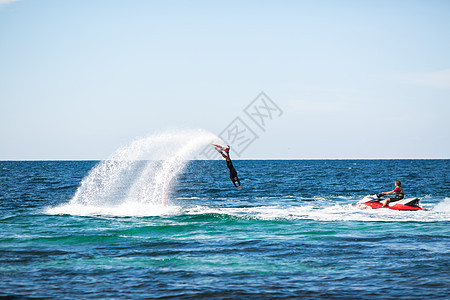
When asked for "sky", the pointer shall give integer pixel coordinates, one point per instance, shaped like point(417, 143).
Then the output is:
point(345, 79)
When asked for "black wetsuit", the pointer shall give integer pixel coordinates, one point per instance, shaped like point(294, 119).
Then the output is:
point(233, 173)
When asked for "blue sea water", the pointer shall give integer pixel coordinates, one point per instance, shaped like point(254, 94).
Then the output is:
point(291, 232)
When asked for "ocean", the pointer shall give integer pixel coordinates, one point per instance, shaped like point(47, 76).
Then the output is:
point(100, 230)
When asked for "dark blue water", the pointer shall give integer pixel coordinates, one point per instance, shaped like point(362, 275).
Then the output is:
point(291, 232)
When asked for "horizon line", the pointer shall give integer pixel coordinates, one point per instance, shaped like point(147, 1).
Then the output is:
point(93, 159)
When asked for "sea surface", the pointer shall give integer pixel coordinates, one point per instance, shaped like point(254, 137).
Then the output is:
point(291, 232)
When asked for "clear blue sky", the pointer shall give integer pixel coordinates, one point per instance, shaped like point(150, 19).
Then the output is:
point(355, 79)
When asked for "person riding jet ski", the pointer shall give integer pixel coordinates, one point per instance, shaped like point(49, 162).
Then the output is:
point(398, 191)
point(398, 202)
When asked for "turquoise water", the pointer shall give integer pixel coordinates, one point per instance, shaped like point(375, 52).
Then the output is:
point(291, 232)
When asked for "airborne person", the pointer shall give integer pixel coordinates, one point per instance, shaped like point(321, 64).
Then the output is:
point(233, 172)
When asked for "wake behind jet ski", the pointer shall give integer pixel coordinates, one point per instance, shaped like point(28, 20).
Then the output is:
point(375, 201)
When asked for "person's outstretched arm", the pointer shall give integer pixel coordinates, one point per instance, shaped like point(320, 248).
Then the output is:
point(388, 193)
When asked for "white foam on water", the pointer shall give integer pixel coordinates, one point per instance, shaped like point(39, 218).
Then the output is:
point(126, 209)
point(335, 212)
point(443, 206)
point(136, 179)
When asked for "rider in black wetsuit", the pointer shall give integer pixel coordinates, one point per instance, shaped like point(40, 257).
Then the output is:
point(233, 172)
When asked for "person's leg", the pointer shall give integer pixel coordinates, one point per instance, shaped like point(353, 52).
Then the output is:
point(394, 199)
point(228, 157)
point(386, 202)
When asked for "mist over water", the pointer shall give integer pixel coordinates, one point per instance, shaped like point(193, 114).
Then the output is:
point(136, 179)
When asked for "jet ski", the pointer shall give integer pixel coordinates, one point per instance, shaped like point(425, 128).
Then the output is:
point(375, 201)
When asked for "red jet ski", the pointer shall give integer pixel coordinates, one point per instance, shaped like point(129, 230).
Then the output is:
point(375, 201)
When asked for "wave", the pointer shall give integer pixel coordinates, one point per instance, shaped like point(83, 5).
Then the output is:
point(128, 209)
point(443, 206)
point(337, 212)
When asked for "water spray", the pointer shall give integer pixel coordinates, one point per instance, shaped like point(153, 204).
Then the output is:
point(141, 172)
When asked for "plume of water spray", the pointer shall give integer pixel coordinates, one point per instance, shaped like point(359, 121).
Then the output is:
point(156, 176)
point(142, 171)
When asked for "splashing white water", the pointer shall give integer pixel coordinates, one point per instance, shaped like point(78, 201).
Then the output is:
point(128, 183)
point(443, 206)
point(336, 212)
